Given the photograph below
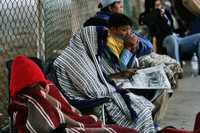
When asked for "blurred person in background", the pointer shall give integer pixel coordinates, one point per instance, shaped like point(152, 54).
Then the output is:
point(163, 29)
point(38, 106)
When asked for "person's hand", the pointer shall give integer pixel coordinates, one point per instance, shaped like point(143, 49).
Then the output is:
point(123, 74)
point(162, 12)
point(132, 71)
point(132, 42)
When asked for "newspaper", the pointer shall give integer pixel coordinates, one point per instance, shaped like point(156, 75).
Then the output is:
point(148, 78)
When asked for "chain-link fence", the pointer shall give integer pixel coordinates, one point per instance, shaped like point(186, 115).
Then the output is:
point(21, 32)
point(39, 28)
point(62, 19)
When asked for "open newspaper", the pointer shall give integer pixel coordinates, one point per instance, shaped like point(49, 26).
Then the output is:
point(148, 78)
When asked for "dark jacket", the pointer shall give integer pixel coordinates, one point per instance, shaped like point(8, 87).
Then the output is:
point(100, 19)
point(157, 23)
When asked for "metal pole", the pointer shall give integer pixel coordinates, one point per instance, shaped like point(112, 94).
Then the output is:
point(40, 30)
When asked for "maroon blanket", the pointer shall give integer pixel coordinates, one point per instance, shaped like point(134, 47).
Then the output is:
point(36, 112)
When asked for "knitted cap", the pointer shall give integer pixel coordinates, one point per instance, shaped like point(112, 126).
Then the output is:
point(24, 72)
point(106, 3)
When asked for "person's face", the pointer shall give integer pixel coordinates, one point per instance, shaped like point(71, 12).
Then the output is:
point(121, 31)
point(117, 7)
point(158, 4)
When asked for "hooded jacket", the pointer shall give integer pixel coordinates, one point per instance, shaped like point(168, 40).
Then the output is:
point(23, 76)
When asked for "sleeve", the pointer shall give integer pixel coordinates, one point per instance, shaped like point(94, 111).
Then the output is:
point(145, 46)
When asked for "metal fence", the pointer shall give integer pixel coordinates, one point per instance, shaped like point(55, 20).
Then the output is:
point(21, 32)
point(40, 28)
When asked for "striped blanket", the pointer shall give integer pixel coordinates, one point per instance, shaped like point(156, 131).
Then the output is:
point(36, 112)
point(80, 76)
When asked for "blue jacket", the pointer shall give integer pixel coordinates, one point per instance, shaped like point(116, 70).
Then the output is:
point(101, 19)
point(145, 46)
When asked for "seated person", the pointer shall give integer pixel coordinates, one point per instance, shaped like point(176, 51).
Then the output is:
point(38, 106)
point(124, 44)
point(111, 51)
point(107, 8)
point(84, 68)
point(101, 18)
point(162, 28)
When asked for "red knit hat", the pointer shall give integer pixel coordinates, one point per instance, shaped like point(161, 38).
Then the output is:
point(24, 72)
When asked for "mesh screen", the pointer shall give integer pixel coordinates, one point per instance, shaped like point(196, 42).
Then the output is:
point(21, 32)
point(62, 19)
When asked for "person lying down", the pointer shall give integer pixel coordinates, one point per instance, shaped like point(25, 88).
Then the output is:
point(37, 105)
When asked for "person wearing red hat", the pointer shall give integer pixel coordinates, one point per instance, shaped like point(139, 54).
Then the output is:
point(38, 106)
point(29, 75)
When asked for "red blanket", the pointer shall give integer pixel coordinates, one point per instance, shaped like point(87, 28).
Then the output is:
point(36, 111)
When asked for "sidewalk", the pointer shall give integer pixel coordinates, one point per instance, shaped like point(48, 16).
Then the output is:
point(185, 102)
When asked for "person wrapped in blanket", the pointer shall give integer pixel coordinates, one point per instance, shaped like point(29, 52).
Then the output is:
point(37, 106)
point(83, 71)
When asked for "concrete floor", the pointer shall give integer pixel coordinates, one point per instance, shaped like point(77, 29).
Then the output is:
point(185, 102)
